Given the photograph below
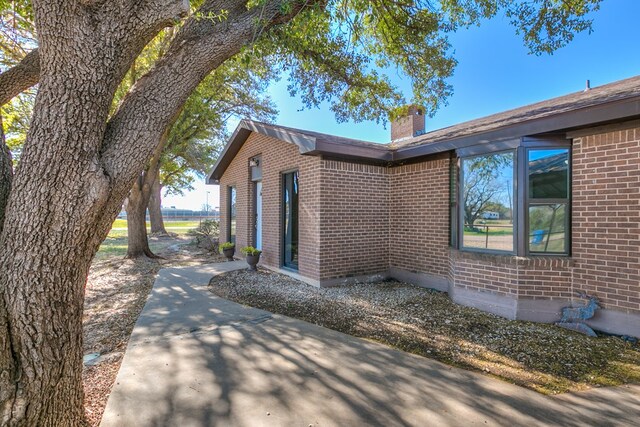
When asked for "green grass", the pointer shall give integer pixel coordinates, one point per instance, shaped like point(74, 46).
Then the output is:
point(115, 245)
point(112, 247)
point(122, 223)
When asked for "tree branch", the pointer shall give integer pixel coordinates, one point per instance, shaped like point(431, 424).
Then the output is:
point(6, 175)
point(200, 47)
point(20, 77)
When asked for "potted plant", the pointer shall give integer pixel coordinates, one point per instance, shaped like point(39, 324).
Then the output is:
point(228, 249)
point(253, 256)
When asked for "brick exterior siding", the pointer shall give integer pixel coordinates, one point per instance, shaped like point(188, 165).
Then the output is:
point(516, 277)
point(606, 216)
point(354, 219)
point(277, 157)
point(419, 240)
point(361, 219)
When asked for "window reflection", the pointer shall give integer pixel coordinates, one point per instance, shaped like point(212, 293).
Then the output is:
point(488, 201)
point(290, 220)
point(232, 215)
point(549, 174)
point(547, 228)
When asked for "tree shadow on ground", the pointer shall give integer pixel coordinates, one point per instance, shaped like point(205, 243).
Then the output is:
point(195, 359)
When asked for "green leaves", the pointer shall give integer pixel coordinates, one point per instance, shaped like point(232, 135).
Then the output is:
point(17, 32)
point(213, 17)
point(548, 25)
point(235, 90)
point(16, 116)
point(342, 52)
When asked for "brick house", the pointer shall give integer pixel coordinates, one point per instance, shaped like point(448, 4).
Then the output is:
point(512, 213)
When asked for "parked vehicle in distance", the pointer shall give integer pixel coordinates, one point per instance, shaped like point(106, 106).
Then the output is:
point(490, 215)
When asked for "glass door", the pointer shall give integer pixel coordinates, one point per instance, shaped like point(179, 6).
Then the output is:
point(290, 220)
point(258, 238)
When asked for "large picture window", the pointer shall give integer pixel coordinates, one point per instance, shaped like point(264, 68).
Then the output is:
point(487, 202)
point(231, 214)
point(548, 200)
point(516, 199)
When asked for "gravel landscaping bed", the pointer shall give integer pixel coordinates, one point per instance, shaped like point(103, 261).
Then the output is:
point(541, 357)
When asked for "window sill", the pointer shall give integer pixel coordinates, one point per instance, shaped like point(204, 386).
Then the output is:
point(505, 258)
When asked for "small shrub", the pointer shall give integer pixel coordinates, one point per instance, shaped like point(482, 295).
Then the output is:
point(208, 227)
point(206, 234)
point(227, 245)
point(250, 250)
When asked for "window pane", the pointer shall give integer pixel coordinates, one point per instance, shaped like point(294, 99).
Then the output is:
point(549, 174)
point(290, 220)
point(488, 202)
point(232, 214)
point(547, 228)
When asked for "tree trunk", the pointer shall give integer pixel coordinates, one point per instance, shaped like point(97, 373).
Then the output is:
point(76, 169)
point(136, 206)
point(6, 174)
point(61, 204)
point(137, 241)
point(137, 202)
point(155, 208)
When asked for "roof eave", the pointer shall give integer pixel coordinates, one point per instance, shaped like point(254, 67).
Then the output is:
point(353, 152)
point(594, 115)
point(229, 151)
point(306, 144)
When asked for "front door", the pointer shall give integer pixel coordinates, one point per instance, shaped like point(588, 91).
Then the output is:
point(258, 215)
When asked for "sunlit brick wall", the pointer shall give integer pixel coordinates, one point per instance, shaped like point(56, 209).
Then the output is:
point(277, 157)
point(419, 197)
point(354, 212)
point(606, 215)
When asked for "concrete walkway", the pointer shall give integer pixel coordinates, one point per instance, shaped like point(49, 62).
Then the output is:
point(198, 360)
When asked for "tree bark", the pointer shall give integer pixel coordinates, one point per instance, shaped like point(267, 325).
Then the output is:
point(136, 207)
point(137, 239)
point(20, 77)
point(155, 208)
point(57, 202)
point(137, 202)
point(6, 174)
point(76, 169)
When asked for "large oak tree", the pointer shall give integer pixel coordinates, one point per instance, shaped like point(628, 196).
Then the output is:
point(80, 159)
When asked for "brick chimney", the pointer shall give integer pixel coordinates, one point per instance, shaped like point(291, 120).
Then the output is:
point(409, 125)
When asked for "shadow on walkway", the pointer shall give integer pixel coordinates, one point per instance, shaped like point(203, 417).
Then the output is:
point(198, 360)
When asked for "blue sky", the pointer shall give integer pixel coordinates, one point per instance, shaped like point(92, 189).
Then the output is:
point(494, 73)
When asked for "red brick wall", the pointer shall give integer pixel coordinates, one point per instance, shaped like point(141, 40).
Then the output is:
point(354, 213)
point(483, 272)
point(360, 219)
point(277, 157)
point(419, 238)
point(606, 216)
point(524, 278)
point(407, 126)
point(545, 278)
